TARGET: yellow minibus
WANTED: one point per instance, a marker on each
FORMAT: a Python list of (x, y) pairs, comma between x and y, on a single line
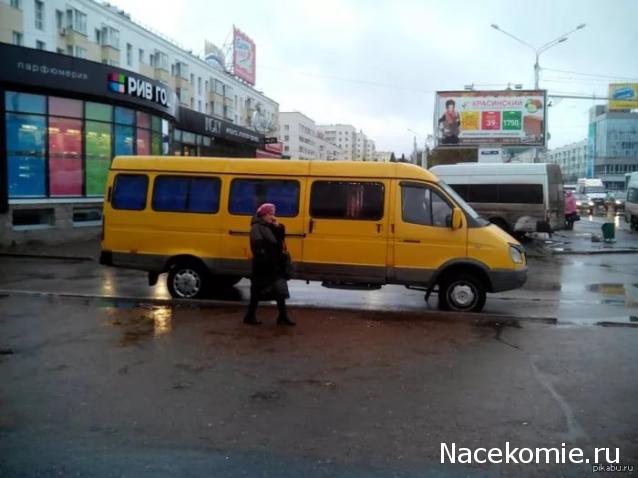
[(354, 223)]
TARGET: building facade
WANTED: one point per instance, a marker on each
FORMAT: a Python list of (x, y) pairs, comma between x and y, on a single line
[(328, 151), (64, 117), (612, 145), (298, 134), (94, 31), (342, 135), (572, 159)]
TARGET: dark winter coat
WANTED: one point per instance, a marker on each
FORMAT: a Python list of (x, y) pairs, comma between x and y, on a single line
[(267, 245)]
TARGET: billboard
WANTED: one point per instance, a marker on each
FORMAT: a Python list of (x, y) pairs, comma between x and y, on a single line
[(623, 96), (474, 118), (243, 56)]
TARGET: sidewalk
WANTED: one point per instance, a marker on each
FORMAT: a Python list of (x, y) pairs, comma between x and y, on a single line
[(579, 241), (88, 250)]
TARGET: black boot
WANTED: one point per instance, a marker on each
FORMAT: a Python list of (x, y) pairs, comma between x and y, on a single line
[(284, 320), (251, 320)]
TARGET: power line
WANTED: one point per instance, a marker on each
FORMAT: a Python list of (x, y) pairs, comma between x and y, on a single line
[(593, 75)]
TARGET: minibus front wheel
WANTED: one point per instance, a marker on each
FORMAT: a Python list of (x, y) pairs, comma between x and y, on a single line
[(462, 293), (187, 279)]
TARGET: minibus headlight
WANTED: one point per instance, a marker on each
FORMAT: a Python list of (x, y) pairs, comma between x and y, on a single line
[(516, 255)]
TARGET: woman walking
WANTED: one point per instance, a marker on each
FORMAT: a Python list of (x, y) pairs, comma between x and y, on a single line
[(269, 274)]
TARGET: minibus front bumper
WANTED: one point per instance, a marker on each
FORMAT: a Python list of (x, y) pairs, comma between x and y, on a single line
[(507, 279)]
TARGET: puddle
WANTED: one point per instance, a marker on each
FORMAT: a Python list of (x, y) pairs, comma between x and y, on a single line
[(139, 324)]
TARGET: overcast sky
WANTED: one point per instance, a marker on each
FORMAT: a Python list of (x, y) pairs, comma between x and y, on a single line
[(376, 64)]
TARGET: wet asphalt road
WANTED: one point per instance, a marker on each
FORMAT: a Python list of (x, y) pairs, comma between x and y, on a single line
[(368, 384), (579, 289)]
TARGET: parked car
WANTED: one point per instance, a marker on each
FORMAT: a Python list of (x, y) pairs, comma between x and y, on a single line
[(615, 200)]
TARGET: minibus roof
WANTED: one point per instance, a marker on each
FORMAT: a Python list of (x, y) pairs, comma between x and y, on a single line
[(196, 164)]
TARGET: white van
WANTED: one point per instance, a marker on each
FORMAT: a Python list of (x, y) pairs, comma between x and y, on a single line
[(631, 201), (517, 197)]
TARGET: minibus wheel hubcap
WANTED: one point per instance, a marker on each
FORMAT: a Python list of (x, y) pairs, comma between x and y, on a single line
[(462, 295), (187, 283)]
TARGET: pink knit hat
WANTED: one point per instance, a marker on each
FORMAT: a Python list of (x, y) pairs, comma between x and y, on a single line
[(266, 208)]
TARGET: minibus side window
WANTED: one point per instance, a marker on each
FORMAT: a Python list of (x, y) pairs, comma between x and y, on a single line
[(347, 200), (129, 192), (246, 195), (420, 205), (632, 195), (186, 194), (521, 193)]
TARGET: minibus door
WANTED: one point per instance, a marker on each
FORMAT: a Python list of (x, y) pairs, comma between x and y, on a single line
[(346, 231), (423, 237)]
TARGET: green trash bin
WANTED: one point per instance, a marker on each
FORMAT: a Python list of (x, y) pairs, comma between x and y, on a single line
[(609, 231)]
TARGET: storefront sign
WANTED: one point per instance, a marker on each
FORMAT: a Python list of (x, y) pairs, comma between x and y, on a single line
[(54, 72), (130, 85), (200, 123)]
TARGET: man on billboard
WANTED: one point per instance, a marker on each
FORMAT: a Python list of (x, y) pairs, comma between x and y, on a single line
[(449, 124)]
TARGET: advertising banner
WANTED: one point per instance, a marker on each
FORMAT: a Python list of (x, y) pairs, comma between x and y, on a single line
[(243, 56), (473, 118), (623, 96)]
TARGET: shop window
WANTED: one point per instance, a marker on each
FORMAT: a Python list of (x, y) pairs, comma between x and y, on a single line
[(124, 116), (129, 192), (98, 156), (24, 219), (247, 194), (143, 141), (26, 155), (65, 107), (25, 103), (65, 156), (186, 194), (156, 144), (123, 140), (87, 216), (98, 112), (347, 200), (143, 120), (156, 123)]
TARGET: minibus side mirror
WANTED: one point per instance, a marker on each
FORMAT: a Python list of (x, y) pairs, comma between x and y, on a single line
[(457, 218)]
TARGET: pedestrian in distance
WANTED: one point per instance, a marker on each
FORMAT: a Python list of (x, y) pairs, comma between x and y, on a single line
[(270, 264)]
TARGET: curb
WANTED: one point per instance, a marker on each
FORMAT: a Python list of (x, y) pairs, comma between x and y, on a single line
[(631, 325), (480, 318), (596, 252), (48, 256)]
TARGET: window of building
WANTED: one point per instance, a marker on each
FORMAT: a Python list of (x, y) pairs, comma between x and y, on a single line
[(98, 36), (219, 87), (16, 4), (17, 38), (247, 194), (87, 216), (76, 20), (186, 194), (97, 139), (181, 70), (79, 52), (199, 105), (199, 85), (129, 54), (140, 55), (65, 149), (110, 37), (25, 219), (129, 192), (347, 200), (39, 15), (40, 45)]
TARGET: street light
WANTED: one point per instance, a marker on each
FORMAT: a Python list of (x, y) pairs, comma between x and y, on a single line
[(537, 51)]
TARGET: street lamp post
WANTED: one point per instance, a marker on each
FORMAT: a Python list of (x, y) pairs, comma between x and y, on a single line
[(537, 51), (424, 161)]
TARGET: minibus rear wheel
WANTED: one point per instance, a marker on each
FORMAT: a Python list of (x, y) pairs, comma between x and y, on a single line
[(462, 293), (187, 279)]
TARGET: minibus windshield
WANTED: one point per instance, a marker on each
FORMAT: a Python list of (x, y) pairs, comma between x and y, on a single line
[(463, 205)]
